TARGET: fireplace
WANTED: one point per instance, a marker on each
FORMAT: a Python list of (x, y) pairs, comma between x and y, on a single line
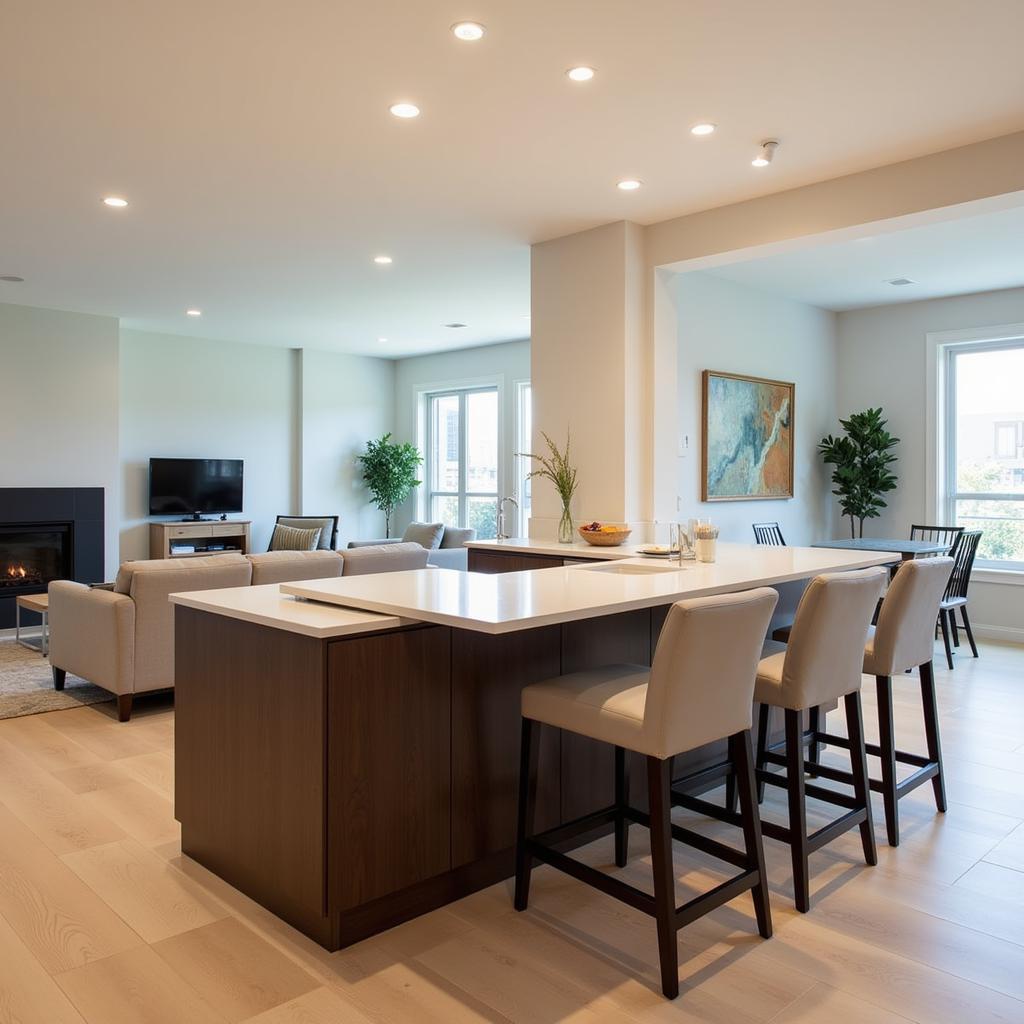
[(47, 533), (32, 555)]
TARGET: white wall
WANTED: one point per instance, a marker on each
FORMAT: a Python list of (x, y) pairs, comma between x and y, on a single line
[(502, 365), (725, 326), (882, 362), (346, 401), (198, 398), (59, 380)]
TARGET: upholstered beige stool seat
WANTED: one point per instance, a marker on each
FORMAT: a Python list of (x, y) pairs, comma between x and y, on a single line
[(904, 639), (820, 664), (698, 690)]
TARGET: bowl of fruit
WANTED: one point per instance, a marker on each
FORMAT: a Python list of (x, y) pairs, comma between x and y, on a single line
[(604, 535)]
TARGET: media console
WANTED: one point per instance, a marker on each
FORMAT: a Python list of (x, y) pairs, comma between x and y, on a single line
[(191, 539)]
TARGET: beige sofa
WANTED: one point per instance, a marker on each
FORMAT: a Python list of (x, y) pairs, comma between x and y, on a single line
[(123, 638)]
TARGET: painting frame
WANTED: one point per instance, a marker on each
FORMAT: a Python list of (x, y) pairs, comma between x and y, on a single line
[(706, 378)]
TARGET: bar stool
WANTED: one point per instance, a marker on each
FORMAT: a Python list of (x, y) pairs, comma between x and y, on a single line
[(698, 690), (821, 663), (904, 638)]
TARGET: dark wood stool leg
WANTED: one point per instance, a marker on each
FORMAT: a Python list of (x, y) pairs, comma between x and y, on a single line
[(797, 809), (762, 746), (859, 762), (621, 803), (731, 790), (59, 675), (528, 756), (660, 798), (814, 748), (931, 731), (944, 623), (124, 707), (968, 630), (887, 754), (742, 758)]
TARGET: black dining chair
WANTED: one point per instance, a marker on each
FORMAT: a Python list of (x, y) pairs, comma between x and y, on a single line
[(936, 534), (769, 534), (965, 547)]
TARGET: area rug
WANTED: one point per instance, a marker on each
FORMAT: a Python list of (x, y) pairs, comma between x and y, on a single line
[(26, 685)]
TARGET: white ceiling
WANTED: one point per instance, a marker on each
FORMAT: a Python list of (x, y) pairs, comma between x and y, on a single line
[(264, 171), (956, 257)]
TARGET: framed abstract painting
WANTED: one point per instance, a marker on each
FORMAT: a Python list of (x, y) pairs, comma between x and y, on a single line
[(747, 448)]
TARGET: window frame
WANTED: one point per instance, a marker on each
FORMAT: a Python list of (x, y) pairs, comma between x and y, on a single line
[(523, 443), (944, 347), (462, 495)]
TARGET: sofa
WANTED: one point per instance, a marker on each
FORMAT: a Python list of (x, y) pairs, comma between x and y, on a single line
[(122, 637), (446, 545)]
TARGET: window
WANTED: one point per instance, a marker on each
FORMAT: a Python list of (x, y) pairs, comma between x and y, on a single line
[(984, 447), (462, 459), (524, 432)]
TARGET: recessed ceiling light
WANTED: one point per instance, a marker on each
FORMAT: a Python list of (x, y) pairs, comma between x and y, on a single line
[(468, 31), (703, 128), (629, 185), (383, 260), (900, 281), (193, 312), (580, 74), (11, 279), (382, 341), (115, 201), (455, 325), (767, 153), (405, 110)]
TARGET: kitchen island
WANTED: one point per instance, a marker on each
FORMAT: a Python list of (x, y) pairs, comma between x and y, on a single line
[(346, 750)]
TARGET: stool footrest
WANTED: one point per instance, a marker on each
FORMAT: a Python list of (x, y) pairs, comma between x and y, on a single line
[(705, 807), (829, 796), (571, 830), (699, 842)]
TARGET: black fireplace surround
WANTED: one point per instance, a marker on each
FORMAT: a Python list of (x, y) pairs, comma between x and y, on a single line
[(47, 533)]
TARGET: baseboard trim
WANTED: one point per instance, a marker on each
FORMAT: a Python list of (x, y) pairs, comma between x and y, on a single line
[(1009, 634)]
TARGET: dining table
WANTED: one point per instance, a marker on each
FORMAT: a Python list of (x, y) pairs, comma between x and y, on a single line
[(906, 549)]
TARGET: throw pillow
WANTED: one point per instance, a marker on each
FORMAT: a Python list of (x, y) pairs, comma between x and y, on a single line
[(288, 538), (427, 535)]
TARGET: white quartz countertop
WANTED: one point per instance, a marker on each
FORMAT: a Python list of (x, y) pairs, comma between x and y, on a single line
[(267, 606), (506, 602)]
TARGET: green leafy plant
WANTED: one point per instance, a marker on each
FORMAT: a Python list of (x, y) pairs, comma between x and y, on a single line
[(389, 472), (862, 457), (556, 467)]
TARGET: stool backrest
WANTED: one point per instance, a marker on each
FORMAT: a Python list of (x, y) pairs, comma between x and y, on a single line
[(702, 680), (905, 633), (826, 644)]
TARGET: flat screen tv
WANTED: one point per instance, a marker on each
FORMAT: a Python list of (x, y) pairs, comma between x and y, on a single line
[(192, 487)]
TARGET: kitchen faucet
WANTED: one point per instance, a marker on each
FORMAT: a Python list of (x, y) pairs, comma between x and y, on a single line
[(502, 535)]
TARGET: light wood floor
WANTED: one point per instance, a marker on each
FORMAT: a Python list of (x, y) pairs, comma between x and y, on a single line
[(103, 920)]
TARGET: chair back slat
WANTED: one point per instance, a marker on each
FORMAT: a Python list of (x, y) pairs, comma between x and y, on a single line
[(964, 550), (769, 534), (936, 534)]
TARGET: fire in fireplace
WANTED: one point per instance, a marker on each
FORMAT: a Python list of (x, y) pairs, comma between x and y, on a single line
[(31, 555)]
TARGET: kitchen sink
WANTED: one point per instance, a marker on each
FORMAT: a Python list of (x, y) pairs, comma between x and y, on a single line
[(631, 568)]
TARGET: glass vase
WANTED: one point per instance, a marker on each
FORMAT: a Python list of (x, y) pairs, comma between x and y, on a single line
[(566, 527)]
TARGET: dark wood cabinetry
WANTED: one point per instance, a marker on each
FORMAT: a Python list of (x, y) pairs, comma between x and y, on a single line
[(512, 561)]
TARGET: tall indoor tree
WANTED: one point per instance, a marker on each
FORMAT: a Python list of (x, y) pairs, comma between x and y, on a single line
[(389, 472), (861, 457)]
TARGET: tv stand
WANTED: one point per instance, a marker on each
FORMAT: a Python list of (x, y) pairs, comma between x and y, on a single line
[(191, 538)]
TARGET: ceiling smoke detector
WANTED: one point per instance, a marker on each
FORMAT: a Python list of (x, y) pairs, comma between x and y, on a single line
[(455, 325), (899, 282)]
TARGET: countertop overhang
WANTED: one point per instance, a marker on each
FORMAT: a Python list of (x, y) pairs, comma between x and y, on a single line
[(507, 602)]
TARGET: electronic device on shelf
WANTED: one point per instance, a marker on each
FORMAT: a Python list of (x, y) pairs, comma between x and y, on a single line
[(192, 488)]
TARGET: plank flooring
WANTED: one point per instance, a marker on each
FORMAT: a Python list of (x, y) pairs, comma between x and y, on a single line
[(103, 921)]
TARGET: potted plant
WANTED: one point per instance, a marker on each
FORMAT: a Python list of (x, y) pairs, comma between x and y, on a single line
[(862, 457), (555, 466), (389, 471)]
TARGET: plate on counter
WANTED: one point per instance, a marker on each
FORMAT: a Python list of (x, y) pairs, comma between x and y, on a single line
[(658, 551)]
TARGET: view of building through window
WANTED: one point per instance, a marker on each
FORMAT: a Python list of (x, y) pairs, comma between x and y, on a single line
[(987, 455)]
